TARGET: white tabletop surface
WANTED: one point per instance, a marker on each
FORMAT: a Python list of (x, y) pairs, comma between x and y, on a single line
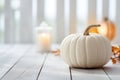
[(23, 62)]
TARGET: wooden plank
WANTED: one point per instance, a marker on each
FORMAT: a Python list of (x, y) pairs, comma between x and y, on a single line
[(73, 20), (60, 21), (88, 74), (26, 22), (54, 69), (9, 60), (113, 71), (4, 48), (28, 67), (4, 51)]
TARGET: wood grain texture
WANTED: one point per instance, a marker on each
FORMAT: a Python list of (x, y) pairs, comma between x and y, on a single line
[(28, 66), (4, 49), (112, 70), (22, 62), (88, 74), (54, 69), (11, 57)]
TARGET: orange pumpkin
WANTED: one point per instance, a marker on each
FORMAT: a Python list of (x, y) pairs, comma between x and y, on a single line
[(93, 30), (107, 29)]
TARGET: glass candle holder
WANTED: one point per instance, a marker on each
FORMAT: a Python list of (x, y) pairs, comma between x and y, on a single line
[(44, 37)]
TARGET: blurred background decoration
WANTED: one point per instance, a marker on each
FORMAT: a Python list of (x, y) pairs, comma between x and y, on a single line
[(107, 28), (18, 18), (43, 35)]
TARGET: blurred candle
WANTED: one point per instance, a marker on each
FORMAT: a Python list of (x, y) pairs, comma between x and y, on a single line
[(44, 37)]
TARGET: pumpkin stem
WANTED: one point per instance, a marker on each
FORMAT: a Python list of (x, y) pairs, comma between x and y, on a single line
[(88, 28), (105, 18)]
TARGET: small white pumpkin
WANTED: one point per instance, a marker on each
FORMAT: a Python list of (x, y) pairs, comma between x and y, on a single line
[(86, 50)]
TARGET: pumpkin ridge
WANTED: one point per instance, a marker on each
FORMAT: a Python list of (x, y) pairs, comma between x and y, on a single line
[(69, 56), (90, 60), (107, 26), (70, 50), (63, 44), (111, 32), (86, 52), (107, 54), (80, 52), (97, 57), (110, 49), (79, 37), (85, 56), (101, 51), (65, 54), (108, 31), (72, 57), (77, 50), (105, 51)]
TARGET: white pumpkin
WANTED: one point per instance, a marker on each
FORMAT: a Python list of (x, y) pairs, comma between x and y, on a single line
[(86, 51)]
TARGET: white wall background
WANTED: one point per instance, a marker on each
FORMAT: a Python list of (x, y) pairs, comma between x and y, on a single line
[(18, 18)]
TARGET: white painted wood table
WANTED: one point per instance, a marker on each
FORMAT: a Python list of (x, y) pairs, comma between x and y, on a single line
[(22, 62)]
